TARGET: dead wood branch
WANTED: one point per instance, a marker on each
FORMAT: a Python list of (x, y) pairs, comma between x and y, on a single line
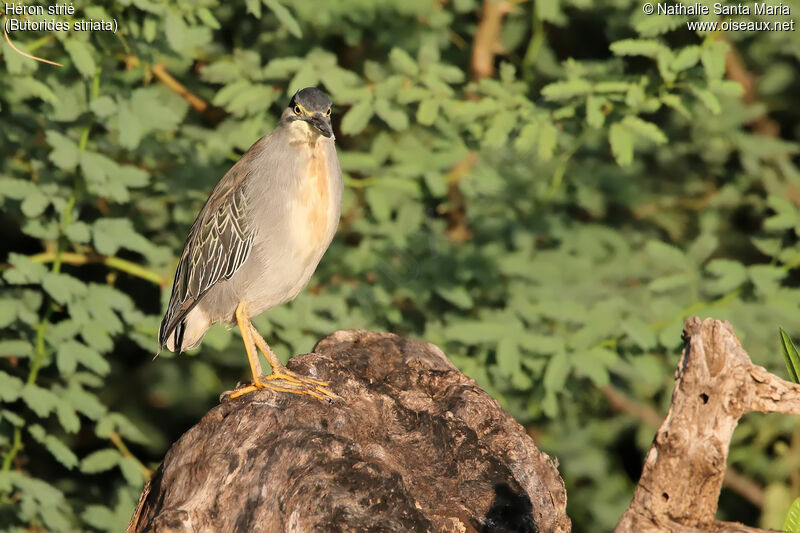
[(716, 384), (734, 480)]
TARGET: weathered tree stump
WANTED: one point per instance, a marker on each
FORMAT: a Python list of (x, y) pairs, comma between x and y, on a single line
[(414, 445)]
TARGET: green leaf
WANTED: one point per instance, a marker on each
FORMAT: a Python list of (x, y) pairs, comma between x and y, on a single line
[(65, 151), (34, 204), (254, 7), (666, 255), (10, 387), (638, 47), (111, 234), (675, 102), (476, 331), (456, 295), (15, 348), (13, 418), (81, 56), (16, 189), (100, 461), (713, 58), (790, 356), (726, 88), (117, 422), (63, 287), (57, 449), (730, 274), (668, 283), (131, 472), (500, 127), (285, 17), (686, 58), (41, 401), (527, 137), (508, 357), (640, 333), (564, 90), (84, 402), (72, 352), (129, 136), (766, 278), (593, 365), (103, 107), (33, 88), (548, 135), (427, 111), (594, 111), (99, 516), (68, 418), (25, 271), (208, 18), (357, 118), (645, 129), (708, 99), (378, 202), (621, 140), (555, 376), (549, 10), (395, 117), (175, 29), (402, 62), (8, 312), (78, 232), (792, 522)]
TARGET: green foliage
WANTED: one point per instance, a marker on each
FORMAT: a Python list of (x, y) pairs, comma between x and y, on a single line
[(792, 522), (790, 356), (550, 226)]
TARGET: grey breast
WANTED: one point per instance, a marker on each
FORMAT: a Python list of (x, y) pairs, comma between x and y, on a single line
[(245, 244)]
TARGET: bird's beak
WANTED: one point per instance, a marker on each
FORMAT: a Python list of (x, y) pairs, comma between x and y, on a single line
[(321, 123)]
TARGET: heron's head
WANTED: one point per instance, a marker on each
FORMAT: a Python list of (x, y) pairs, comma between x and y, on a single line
[(313, 107)]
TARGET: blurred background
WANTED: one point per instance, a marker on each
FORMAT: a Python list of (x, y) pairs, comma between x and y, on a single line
[(544, 189)]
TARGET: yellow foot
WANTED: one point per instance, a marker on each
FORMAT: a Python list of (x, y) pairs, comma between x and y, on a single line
[(292, 384), (287, 375), (311, 386)]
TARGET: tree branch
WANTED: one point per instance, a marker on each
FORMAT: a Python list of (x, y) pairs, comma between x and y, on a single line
[(734, 480), (716, 384), (487, 38)]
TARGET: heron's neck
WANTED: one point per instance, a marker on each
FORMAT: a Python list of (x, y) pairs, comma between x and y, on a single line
[(301, 132)]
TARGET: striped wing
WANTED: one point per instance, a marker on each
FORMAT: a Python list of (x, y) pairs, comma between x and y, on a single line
[(219, 243)]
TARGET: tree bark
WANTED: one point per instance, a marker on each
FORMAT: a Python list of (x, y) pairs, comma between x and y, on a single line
[(414, 445), (715, 384)]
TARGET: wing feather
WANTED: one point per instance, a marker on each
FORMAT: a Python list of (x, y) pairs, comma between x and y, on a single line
[(219, 242)]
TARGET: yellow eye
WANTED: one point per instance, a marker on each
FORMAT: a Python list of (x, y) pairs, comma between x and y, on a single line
[(328, 112), (297, 110)]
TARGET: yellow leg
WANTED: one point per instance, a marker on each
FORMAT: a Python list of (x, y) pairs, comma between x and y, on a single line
[(288, 383), (252, 355), (279, 371)]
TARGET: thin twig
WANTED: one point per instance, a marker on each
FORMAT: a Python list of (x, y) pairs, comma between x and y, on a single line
[(160, 72), (20, 52), (8, 460), (116, 440), (112, 262)]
